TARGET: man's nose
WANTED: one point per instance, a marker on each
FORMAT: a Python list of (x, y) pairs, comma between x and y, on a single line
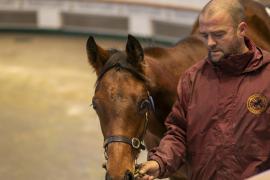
[(211, 42)]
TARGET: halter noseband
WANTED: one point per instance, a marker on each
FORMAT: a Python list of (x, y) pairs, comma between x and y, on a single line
[(134, 142)]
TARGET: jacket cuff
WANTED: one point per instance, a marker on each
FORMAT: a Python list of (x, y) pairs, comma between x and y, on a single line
[(160, 163)]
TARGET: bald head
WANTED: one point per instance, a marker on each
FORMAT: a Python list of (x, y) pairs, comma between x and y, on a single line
[(223, 28), (233, 8)]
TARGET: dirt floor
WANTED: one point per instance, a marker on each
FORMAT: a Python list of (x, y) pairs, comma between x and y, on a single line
[(48, 131)]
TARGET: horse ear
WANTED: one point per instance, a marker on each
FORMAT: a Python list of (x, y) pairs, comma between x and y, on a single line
[(97, 56), (134, 50)]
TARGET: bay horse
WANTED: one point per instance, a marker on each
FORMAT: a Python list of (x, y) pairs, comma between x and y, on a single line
[(127, 83)]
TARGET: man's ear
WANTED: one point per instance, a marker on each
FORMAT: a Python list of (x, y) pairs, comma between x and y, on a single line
[(242, 29), (134, 51), (97, 56)]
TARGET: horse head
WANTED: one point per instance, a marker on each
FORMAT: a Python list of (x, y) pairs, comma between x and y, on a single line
[(122, 103)]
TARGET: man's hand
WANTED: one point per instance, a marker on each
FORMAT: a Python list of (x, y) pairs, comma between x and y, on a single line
[(148, 170)]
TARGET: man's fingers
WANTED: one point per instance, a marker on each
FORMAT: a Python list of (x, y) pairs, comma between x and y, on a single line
[(144, 168), (148, 170), (147, 177), (142, 172)]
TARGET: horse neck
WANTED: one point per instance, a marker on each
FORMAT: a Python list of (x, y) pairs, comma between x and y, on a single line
[(163, 77), (162, 80), (164, 67), (162, 86)]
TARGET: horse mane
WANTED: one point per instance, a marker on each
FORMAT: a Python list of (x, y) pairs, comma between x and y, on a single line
[(155, 52), (159, 52)]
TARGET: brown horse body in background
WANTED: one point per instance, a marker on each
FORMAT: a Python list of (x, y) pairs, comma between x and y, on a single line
[(120, 90)]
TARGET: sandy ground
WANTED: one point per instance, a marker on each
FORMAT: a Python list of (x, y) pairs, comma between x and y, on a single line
[(48, 131)]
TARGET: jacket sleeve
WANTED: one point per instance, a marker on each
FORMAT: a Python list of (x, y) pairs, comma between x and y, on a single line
[(171, 151)]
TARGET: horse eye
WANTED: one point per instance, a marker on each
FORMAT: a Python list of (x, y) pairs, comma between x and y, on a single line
[(144, 104)]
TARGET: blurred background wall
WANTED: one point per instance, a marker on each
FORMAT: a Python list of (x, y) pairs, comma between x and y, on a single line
[(166, 20), (48, 131), (161, 19)]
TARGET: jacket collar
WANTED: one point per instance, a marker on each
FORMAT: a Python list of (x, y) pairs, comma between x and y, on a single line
[(241, 63)]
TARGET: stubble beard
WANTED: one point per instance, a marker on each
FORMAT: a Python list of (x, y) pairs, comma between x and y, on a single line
[(216, 59), (232, 50)]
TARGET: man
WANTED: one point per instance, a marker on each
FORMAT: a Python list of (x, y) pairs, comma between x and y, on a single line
[(220, 123)]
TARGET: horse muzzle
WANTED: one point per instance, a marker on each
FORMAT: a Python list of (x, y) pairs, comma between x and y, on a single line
[(127, 176)]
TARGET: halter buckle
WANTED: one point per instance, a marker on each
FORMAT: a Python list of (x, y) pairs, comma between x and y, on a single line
[(136, 143)]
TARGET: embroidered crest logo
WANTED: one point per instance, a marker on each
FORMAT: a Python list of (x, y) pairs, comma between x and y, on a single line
[(257, 103)]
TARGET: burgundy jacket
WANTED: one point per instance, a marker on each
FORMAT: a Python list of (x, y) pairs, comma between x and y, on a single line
[(220, 123)]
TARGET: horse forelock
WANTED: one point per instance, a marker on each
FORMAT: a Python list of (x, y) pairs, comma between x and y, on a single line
[(113, 51), (118, 60)]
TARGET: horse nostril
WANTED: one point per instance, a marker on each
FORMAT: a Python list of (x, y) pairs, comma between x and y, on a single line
[(128, 175)]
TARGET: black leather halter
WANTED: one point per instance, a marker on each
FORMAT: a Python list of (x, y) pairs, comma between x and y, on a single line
[(134, 142)]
